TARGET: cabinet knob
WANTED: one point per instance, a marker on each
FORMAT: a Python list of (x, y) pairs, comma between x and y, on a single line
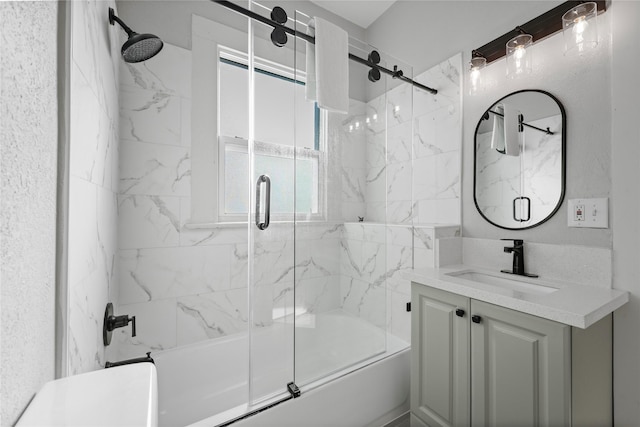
[(459, 312), (476, 319)]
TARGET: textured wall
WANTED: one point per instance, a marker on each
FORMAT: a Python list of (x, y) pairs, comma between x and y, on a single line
[(583, 86), (93, 164), (28, 105), (625, 93)]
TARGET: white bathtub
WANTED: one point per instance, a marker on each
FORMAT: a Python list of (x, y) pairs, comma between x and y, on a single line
[(206, 384)]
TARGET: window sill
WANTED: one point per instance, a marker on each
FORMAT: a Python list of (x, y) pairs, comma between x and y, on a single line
[(213, 225), (240, 224)]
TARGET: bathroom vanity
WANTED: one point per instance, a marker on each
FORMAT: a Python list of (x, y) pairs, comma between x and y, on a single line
[(491, 349)]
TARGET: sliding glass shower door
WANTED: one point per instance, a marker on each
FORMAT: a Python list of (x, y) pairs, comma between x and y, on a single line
[(271, 152), (340, 259)]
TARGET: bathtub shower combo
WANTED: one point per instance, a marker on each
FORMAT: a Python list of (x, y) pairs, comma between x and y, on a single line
[(275, 279)]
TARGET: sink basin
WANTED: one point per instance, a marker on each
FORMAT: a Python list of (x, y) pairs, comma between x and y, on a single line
[(121, 396), (504, 282)]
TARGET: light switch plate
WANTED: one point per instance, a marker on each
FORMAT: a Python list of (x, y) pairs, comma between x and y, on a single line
[(588, 213)]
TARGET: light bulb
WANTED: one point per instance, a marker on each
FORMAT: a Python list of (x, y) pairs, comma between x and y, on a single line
[(475, 75), (519, 58), (580, 28)]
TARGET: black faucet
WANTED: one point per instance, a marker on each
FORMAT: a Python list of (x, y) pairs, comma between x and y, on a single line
[(518, 258), (112, 322)]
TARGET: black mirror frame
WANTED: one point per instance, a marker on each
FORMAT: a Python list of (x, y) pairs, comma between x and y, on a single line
[(564, 159)]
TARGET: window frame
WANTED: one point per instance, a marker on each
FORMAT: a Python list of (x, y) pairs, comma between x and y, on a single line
[(318, 153), (283, 151)]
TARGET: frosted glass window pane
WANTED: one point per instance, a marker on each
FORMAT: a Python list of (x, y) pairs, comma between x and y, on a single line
[(307, 187), (236, 182), (281, 173)]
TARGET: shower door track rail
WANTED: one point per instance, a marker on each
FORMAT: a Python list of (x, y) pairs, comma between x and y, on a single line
[(395, 73)]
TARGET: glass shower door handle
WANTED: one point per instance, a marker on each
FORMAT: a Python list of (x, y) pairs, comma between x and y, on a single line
[(263, 179)]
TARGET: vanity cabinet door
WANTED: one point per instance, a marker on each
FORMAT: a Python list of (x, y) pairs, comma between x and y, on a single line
[(520, 369), (440, 357)]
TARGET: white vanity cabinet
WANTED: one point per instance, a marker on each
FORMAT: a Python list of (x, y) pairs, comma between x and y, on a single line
[(478, 364)]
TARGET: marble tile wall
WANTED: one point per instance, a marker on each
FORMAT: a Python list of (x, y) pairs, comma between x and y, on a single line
[(437, 141), (373, 260), (346, 164), (413, 150), (93, 183), (187, 285), (182, 285)]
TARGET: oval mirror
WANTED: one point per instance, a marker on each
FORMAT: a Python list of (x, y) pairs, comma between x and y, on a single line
[(519, 160)]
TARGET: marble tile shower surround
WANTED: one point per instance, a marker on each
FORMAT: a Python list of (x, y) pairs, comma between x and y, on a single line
[(190, 284), (187, 285), (373, 260), (93, 181), (413, 150), (531, 174)]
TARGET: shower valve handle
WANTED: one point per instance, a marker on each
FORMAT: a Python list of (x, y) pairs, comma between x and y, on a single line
[(112, 322)]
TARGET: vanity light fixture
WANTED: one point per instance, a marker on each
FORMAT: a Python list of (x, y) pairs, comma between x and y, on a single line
[(542, 26), (519, 55), (580, 28), (476, 65)]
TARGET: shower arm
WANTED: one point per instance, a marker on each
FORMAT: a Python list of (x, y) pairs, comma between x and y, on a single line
[(113, 18), (395, 73)]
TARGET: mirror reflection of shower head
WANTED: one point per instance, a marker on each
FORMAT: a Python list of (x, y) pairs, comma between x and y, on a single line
[(139, 47)]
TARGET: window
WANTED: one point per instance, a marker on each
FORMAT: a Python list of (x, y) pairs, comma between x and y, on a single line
[(288, 144)]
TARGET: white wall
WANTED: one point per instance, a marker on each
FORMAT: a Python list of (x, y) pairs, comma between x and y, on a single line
[(28, 107), (423, 33), (583, 86), (625, 176), (610, 143)]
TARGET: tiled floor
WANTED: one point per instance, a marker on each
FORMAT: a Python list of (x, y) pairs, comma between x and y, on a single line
[(403, 421)]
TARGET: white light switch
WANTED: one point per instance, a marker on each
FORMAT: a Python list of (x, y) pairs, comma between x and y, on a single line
[(588, 213)]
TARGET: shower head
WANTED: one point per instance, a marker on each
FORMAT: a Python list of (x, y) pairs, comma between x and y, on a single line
[(139, 47)]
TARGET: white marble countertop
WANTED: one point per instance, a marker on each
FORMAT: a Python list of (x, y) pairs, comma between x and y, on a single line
[(572, 304)]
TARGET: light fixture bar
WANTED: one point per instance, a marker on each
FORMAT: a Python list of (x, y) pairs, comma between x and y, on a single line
[(544, 25)]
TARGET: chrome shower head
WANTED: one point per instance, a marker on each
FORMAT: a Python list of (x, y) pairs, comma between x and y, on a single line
[(139, 47)]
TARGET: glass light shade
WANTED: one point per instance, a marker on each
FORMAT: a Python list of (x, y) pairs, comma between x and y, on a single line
[(580, 28), (519, 55), (475, 74)]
